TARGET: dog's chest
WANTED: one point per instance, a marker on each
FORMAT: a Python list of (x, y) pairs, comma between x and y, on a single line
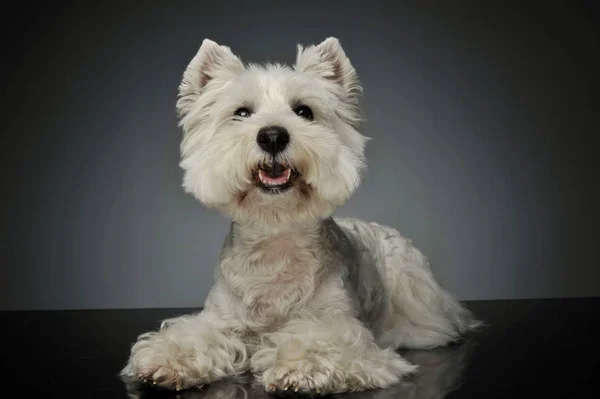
[(272, 277)]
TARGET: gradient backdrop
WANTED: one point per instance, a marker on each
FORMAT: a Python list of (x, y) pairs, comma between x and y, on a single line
[(482, 120)]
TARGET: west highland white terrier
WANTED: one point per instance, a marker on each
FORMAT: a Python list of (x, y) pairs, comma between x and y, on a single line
[(303, 300)]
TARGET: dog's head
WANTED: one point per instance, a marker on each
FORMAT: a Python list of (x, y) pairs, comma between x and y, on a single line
[(271, 143)]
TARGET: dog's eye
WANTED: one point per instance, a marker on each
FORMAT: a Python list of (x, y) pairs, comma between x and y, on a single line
[(304, 112), (242, 112)]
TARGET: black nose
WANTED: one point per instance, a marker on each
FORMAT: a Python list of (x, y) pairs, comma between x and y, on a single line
[(273, 139)]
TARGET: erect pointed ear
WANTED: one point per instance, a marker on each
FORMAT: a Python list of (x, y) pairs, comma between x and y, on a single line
[(328, 61), (213, 64)]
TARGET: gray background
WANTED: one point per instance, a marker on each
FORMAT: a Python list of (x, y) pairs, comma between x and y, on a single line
[(482, 120)]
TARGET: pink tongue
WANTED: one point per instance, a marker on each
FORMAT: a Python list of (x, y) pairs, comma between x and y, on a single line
[(275, 180)]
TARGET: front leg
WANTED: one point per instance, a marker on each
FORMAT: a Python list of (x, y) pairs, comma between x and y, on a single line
[(326, 355), (187, 351)]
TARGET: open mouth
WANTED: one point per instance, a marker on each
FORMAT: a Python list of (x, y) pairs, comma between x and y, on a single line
[(275, 178)]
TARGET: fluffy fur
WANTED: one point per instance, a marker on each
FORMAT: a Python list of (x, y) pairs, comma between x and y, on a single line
[(302, 300)]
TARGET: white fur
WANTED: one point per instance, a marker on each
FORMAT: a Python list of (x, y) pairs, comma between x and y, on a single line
[(301, 300)]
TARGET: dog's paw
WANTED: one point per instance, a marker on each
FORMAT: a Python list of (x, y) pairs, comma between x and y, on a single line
[(167, 374), (301, 377), (170, 377), (321, 375), (296, 382), (154, 362)]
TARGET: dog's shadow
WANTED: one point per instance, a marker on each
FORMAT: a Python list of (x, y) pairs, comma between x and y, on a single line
[(440, 372)]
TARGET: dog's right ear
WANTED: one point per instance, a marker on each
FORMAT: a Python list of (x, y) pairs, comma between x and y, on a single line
[(213, 65)]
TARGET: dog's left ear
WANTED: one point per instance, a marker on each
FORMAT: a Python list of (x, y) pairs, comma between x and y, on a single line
[(328, 61)]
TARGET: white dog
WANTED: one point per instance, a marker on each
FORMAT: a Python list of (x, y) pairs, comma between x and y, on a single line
[(302, 300)]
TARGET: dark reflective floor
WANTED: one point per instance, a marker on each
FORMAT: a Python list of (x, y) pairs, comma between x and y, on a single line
[(535, 348)]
